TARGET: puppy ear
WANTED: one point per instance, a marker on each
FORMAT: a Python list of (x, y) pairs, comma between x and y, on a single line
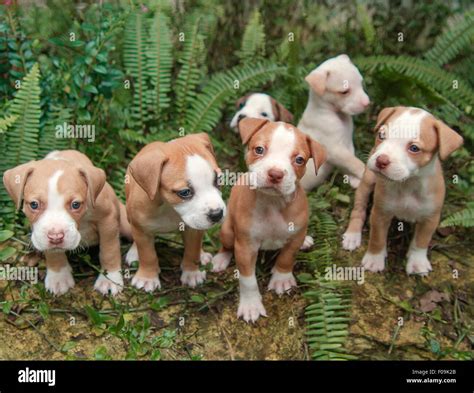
[(241, 101), (384, 115), (146, 170), (344, 57), (317, 81), (448, 139), (280, 112), (203, 137), (318, 153), (15, 179), (95, 181), (249, 126)]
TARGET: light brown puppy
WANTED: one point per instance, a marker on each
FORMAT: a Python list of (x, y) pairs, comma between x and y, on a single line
[(172, 186), (268, 209), (68, 204), (404, 168)]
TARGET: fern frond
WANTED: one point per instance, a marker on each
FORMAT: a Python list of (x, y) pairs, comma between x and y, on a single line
[(457, 38), (463, 218), (134, 56), (432, 78), (253, 41), (365, 21), (191, 59), (6, 122), (206, 109), (159, 64), (48, 140)]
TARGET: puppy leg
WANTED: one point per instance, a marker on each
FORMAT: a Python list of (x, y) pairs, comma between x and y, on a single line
[(282, 273), (374, 258), (418, 262), (348, 163), (353, 235), (222, 259), (250, 304), (191, 275), (59, 278), (109, 255), (146, 276), (310, 180)]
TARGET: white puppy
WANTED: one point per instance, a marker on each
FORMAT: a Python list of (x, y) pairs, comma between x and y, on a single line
[(336, 94)]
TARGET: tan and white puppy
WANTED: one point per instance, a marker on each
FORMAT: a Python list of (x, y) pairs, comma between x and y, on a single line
[(172, 186), (69, 204), (404, 168), (335, 95), (268, 209), (260, 106)]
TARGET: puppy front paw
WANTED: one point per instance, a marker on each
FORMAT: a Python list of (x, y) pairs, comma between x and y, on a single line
[(132, 254), (250, 308), (192, 278), (58, 283), (205, 257), (374, 262), (354, 181), (110, 282), (221, 261), (351, 240), (148, 284), (281, 282), (418, 263), (307, 244)]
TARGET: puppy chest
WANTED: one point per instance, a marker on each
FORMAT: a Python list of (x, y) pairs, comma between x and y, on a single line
[(166, 220), (271, 230), (409, 206), (89, 234)]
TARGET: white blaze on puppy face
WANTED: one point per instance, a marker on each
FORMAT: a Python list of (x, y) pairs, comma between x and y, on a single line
[(55, 219), (278, 156), (397, 137), (206, 196), (258, 106)]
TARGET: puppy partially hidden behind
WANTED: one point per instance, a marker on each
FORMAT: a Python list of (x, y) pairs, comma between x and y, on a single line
[(172, 186), (335, 95), (69, 204), (405, 169), (260, 106), (267, 209)]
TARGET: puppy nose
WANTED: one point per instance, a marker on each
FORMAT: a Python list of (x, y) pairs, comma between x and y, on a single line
[(55, 237), (382, 161), (365, 101), (240, 117), (215, 215), (275, 175)]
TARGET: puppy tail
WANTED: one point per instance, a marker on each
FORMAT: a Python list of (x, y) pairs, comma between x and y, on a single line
[(125, 228)]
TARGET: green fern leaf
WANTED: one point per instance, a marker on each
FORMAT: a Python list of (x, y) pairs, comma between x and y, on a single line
[(463, 218), (253, 41), (48, 140)]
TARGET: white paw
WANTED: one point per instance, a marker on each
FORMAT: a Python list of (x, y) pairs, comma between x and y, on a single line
[(354, 181), (145, 283), (418, 262), (351, 240), (374, 262), (206, 257), (58, 283), (281, 282), (111, 282), (132, 254), (250, 308), (307, 244), (192, 278), (221, 261)]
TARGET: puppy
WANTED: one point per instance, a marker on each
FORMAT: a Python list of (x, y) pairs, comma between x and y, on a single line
[(260, 106), (268, 209), (405, 170), (335, 95), (69, 205), (172, 186)]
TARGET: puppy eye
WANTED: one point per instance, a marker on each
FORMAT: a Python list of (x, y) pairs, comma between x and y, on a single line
[(299, 160), (264, 114), (414, 148), (241, 105), (259, 150), (345, 92), (185, 193), (34, 205), (75, 205)]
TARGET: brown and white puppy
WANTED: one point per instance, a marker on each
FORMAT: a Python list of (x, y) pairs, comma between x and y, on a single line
[(268, 209), (404, 168), (69, 204), (260, 106), (172, 186)]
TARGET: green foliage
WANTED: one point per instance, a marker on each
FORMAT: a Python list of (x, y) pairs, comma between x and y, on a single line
[(253, 41), (463, 218)]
